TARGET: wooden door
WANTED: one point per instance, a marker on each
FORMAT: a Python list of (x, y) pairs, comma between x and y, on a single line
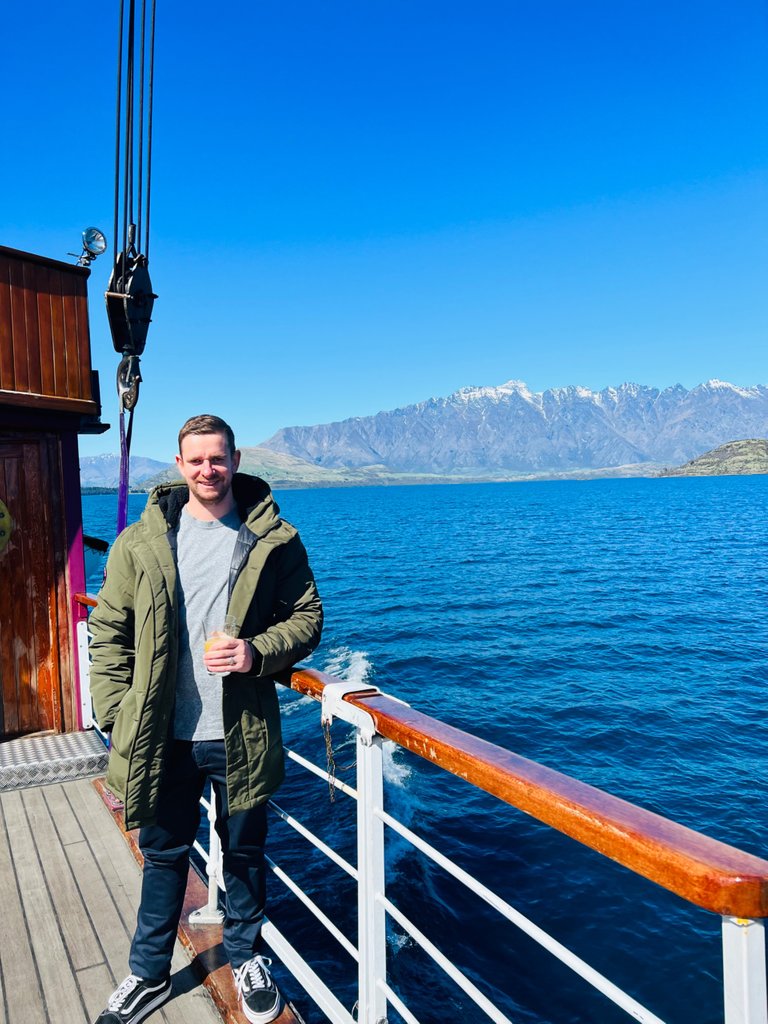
[(33, 644)]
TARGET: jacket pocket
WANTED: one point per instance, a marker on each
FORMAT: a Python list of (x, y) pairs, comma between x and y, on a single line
[(126, 723), (254, 728)]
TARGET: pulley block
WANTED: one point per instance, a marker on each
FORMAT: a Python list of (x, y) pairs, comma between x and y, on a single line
[(129, 304)]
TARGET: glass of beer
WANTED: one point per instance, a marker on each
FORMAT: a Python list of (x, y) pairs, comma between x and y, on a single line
[(230, 627)]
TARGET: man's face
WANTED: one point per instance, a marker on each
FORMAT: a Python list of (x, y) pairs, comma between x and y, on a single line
[(208, 466)]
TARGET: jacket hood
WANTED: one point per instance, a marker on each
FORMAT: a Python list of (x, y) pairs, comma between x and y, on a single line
[(253, 497)]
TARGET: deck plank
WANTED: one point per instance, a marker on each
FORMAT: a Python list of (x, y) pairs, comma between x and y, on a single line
[(56, 976), (70, 889), (96, 983), (77, 932), (22, 998), (115, 860), (101, 911), (60, 809)]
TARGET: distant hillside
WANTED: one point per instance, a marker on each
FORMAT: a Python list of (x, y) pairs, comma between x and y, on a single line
[(286, 471), (104, 470), (281, 470), (735, 458), (492, 432)]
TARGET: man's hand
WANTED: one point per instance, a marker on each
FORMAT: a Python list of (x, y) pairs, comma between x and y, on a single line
[(226, 654)]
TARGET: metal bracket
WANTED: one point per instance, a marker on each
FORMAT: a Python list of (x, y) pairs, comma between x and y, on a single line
[(128, 381), (332, 701)]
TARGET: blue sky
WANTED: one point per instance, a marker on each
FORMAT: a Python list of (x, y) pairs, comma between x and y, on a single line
[(357, 206)]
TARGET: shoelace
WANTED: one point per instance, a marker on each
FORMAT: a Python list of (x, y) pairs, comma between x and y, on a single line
[(122, 992), (253, 971)]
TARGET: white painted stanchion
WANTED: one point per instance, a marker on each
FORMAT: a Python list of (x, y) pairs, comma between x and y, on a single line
[(210, 913), (84, 674), (371, 926), (744, 984), (372, 930)]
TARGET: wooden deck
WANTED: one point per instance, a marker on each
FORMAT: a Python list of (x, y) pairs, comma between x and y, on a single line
[(69, 888)]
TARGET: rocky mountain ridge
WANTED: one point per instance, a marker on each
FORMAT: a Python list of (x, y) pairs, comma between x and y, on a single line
[(510, 429)]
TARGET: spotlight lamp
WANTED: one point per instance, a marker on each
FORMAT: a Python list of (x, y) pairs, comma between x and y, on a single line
[(94, 244)]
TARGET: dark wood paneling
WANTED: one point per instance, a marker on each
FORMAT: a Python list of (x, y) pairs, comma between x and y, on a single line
[(45, 348), (32, 273), (71, 345), (61, 641), (8, 608), (83, 339), (58, 339), (20, 357), (43, 606), (6, 328), (33, 605), (45, 320)]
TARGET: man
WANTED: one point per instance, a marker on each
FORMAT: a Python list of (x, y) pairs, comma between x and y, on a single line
[(181, 711)]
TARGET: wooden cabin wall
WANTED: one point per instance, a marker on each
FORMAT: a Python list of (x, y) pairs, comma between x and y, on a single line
[(45, 348), (36, 671), (48, 395)]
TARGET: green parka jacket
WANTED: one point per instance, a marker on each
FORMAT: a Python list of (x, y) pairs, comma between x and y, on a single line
[(134, 646)]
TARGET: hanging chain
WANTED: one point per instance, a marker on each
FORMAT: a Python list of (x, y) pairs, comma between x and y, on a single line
[(330, 757)]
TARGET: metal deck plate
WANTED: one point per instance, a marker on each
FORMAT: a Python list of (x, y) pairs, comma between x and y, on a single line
[(41, 760)]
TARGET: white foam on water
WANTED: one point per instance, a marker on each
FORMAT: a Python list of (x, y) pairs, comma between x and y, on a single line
[(399, 940), (355, 667), (395, 772), (290, 705), (348, 665)]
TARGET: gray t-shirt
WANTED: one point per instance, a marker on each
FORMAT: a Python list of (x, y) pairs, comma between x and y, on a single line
[(204, 552)]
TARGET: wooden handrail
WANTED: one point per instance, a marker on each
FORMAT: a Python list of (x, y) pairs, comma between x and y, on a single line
[(704, 871)]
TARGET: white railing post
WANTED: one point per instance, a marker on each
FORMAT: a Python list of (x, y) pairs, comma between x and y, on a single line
[(372, 929), (210, 913), (744, 984), (84, 673), (371, 914)]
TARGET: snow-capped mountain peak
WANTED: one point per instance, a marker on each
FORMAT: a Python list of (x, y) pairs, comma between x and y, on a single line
[(508, 427)]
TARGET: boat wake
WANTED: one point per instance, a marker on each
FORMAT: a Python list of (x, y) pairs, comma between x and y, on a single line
[(348, 665)]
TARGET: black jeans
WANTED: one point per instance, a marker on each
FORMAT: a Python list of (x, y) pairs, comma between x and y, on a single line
[(166, 845)]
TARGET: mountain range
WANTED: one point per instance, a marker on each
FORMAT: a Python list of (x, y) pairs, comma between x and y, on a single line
[(493, 433), (104, 470), (510, 429)]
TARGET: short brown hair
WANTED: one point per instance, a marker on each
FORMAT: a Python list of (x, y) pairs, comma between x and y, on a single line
[(207, 424)]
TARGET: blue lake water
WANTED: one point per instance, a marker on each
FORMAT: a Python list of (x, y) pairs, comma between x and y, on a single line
[(612, 630)]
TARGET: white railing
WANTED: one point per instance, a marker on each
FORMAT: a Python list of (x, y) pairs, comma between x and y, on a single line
[(703, 871), (745, 999)]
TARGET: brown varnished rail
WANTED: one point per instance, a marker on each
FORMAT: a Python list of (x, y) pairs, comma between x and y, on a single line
[(702, 870)]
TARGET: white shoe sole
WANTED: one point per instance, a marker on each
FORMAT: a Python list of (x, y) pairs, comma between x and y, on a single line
[(266, 1016), (160, 998)]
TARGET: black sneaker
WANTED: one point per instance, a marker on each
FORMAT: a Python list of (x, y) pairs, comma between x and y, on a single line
[(259, 996), (134, 999)]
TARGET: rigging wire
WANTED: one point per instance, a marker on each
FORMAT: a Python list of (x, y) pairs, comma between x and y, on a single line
[(129, 296)]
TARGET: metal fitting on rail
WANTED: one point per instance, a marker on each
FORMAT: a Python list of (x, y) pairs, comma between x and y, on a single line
[(332, 704)]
